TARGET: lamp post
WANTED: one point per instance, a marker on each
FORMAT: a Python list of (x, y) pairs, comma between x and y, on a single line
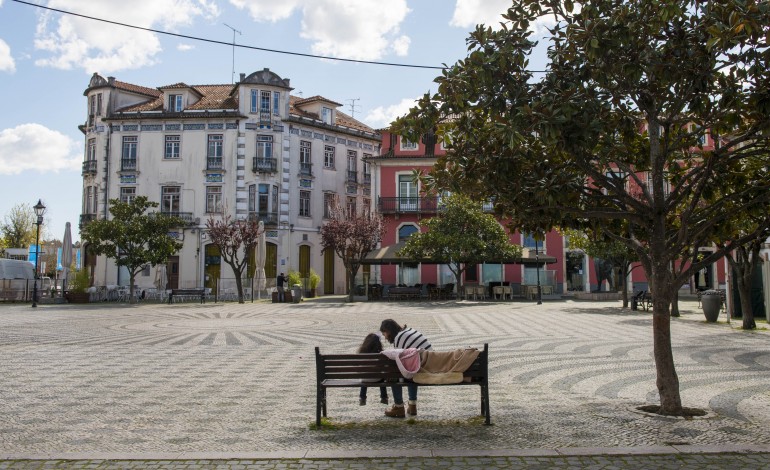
[(537, 269), (39, 209)]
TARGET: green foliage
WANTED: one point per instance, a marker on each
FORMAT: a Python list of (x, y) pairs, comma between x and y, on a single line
[(611, 137), (133, 237), (80, 282), (315, 279), (461, 234), (18, 229), (293, 277)]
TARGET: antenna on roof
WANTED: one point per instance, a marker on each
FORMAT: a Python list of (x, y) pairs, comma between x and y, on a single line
[(232, 77), (353, 106)]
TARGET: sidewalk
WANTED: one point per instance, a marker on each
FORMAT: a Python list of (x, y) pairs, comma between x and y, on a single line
[(231, 386)]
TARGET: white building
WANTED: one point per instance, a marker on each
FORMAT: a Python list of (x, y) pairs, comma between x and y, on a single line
[(250, 149)]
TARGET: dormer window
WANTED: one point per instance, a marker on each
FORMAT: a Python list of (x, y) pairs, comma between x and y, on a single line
[(326, 115), (406, 145), (260, 101), (175, 103), (276, 103)]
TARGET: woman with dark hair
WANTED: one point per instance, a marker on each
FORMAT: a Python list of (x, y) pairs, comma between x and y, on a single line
[(403, 338), (372, 345)]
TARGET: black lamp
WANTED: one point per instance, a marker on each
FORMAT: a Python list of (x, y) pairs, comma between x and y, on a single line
[(39, 211)]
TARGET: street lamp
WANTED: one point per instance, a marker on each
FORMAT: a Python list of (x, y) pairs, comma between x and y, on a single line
[(39, 209), (537, 268)]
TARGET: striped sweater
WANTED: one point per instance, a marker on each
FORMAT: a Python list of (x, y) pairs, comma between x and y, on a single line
[(411, 338)]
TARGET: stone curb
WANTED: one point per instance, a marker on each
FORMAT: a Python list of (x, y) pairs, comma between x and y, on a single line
[(414, 453)]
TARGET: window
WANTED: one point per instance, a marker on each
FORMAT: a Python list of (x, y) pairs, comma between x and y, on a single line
[(328, 156), (175, 103), (263, 198), (170, 199), (91, 110), (254, 94), (367, 206), (329, 199), (405, 231), (304, 203), (127, 194), (351, 207), (94, 199), (87, 203), (407, 193), (252, 198), (213, 199), (276, 103), (352, 160), (128, 159), (367, 169), (215, 145), (406, 145), (172, 147), (264, 146), (528, 241), (98, 104), (264, 102), (275, 199), (326, 115), (91, 151), (305, 164)]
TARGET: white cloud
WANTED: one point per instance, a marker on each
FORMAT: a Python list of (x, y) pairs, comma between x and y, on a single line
[(94, 46), (35, 147), (350, 29), (469, 13), (7, 63), (185, 47), (382, 116)]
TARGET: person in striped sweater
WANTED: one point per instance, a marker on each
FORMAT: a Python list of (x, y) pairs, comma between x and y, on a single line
[(403, 338)]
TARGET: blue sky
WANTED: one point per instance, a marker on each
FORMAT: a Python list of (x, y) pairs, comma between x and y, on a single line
[(46, 60)]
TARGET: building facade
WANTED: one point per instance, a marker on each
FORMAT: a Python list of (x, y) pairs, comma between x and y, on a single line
[(403, 205), (249, 149)]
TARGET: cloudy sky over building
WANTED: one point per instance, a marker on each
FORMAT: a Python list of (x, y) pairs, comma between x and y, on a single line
[(47, 59)]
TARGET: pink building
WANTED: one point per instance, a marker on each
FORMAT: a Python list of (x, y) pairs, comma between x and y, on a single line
[(404, 205)]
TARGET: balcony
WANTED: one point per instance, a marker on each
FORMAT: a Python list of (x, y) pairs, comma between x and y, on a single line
[(85, 219), (128, 164), (269, 218), (188, 217), (264, 165), (306, 169), (214, 163), (89, 167), (352, 176), (407, 205), (367, 178)]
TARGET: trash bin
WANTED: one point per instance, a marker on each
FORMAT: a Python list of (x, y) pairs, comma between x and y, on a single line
[(296, 293)]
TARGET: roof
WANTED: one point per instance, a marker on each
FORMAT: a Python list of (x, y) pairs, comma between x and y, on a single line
[(302, 101), (341, 119), (131, 88), (211, 97)]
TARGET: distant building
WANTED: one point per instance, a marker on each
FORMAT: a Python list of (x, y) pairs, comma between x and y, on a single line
[(249, 149)]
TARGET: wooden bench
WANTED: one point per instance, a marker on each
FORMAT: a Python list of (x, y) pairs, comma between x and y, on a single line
[(643, 298), (377, 370), (187, 293)]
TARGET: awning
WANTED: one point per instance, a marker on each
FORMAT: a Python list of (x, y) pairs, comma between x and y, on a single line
[(388, 255)]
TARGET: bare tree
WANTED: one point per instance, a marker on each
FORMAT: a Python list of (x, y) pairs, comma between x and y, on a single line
[(236, 239)]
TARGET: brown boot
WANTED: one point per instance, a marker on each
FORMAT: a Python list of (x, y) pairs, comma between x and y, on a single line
[(411, 409), (397, 411)]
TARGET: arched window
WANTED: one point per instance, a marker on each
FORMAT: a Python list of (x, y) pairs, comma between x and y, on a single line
[(405, 231)]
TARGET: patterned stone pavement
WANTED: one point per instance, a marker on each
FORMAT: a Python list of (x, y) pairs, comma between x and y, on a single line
[(156, 379)]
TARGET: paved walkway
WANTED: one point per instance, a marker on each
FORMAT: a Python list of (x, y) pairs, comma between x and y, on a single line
[(228, 385)]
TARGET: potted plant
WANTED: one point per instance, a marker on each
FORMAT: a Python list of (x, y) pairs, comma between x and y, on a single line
[(294, 279), (78, 288), (711, 301), (314, 280)]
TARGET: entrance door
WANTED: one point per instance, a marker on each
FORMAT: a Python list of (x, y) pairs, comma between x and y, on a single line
[(172, 271), (211, 269), (328, 272)]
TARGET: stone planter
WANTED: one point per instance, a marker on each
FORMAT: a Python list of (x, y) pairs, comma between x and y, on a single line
[(712, 304)]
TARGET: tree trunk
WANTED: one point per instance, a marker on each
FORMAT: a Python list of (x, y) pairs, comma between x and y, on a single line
[(239, 286), (625, 284), (351, 285), (667, 379), (675, 305), (744, 282), (131, 278)]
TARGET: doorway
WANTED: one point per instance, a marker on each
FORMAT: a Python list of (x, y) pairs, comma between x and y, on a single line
[(575, 271), (212, 269), (172, 271)]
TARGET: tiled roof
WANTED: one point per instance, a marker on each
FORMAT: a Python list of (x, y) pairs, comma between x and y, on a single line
[(175, 85), (301, 101), (341, 119), (130, 87), (212, 97)]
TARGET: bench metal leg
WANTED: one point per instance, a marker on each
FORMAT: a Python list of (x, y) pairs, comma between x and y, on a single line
[(318, 401)]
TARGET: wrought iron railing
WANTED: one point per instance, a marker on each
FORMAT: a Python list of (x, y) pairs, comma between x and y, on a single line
[(400, 205), (305, 169), (269, 218), (89, 167), (214, 163), (128, 164), (264, 165)]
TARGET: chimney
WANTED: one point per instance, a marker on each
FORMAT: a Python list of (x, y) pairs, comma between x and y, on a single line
[(111, 80), (243, 77)]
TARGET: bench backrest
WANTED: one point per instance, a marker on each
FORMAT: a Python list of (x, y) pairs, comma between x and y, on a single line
[(375, 367)]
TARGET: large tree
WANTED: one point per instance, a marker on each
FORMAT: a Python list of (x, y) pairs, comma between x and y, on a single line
[(18, 227), (351, 236), (132, 236), (616, 133), (461, 234), (236, 240)]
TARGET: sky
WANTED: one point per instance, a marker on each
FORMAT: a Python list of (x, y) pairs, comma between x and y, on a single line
[(47, 59)]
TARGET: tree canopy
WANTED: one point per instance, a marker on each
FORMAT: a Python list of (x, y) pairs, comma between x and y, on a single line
[(650, 124), (18, 227), (461, 234), (351, 236), (236, 240), (133, 237)]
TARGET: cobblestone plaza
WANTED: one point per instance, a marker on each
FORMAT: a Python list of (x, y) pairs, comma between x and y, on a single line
[(238, 380)]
